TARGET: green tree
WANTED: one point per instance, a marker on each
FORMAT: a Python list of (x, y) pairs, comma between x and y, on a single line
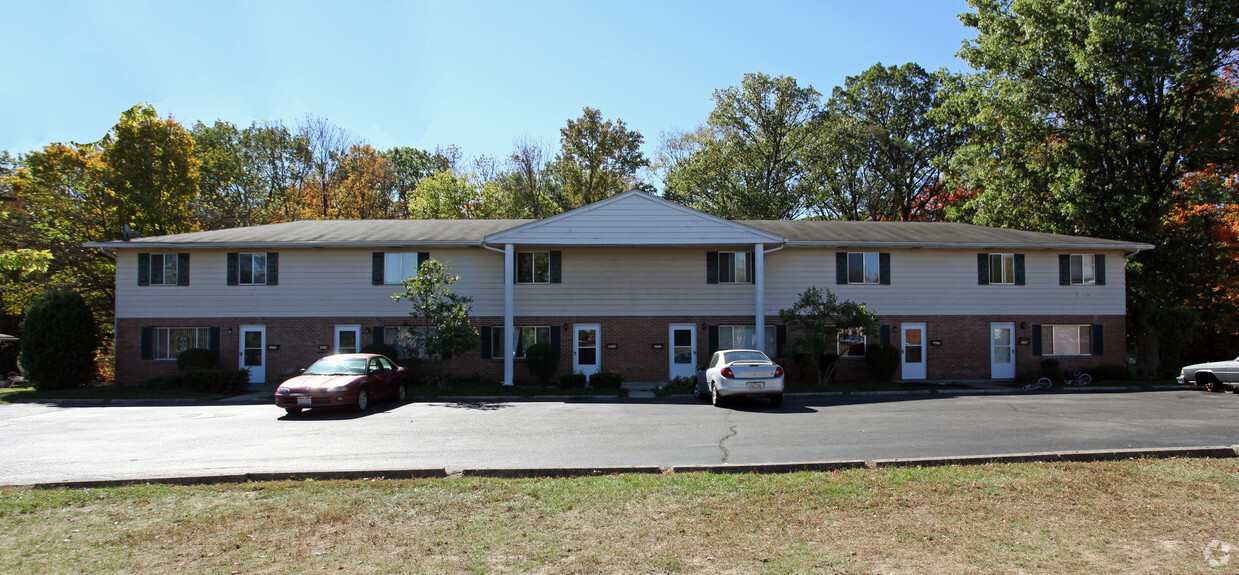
[(151, 172), (434, 303), (1088, 115), (750, 159), (597, 158), (59, 341), (879, 148), (816, 319)]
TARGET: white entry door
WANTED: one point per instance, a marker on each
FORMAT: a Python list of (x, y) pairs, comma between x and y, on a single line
[(348, 339), (586, 355), (1002, 350), (683, 350), (254, 352), (913, 351)]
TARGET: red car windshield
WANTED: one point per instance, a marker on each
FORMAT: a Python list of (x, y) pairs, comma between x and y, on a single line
[(337, 366)]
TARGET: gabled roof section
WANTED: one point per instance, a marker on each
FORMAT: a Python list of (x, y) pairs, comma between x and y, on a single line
[(634, 219), (329, 233), (928, 235)]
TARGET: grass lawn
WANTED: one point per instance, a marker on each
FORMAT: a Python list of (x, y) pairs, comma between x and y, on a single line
[(11, 394), (1135, 516)]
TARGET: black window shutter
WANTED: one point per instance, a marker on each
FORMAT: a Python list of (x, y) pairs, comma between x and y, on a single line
[(555, 339), (750, 263), (884, 334), (711, 267), (713, 338), (233, 264), (557, 267), (841, 268), (1099, 347), (182, 269), (485, 331), (214, 341), (1099, 270), (273, 268), (884, 266), (422, 257), (780, 340), (144, 269), (1036, 339), (1064, 269), (148, 342), (377, 331), (1019, 269), (376, 268), (982, 269)]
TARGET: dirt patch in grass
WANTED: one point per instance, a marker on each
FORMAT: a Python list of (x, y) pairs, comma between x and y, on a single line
[(1148, 516)]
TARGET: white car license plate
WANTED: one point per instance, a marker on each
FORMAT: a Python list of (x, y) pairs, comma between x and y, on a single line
[(303, 401), (757, 385)]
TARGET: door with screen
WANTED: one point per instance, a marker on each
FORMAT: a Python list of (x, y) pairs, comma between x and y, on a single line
[(913, 351), (254, 352), (1002, 350), (585, 351), (683, 353)]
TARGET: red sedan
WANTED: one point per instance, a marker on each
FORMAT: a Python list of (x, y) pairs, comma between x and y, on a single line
[(346, 380)]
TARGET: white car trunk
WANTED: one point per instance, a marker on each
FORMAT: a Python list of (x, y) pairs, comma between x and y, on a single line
[(752, 370)]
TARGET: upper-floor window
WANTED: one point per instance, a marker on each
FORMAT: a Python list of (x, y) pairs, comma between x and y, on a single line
[(163, 269), (253, 268), (390, 268), (1000, 269), (862, 268), (1082, 269), (538, 267), (729, 267)]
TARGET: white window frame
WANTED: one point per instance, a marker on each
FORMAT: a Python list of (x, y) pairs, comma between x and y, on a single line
[(520, 334), (162, 346), (746, 339), (733, 268), (164, 260), (253, 258), (539, 264), (1063, 335), (404, 339), (397, 266), (851, 336), (1087, 265), (1002, 269), (870, 268)]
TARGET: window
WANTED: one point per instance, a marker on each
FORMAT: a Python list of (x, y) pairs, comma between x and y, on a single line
[(1002, 269), (399, 265), (1066, 340), (406, 340), (1082, 270), (851, 342), (524, 337), (745, 337), (864, 268), (735, 267), (533, 267), (171, 341), (252, 269)]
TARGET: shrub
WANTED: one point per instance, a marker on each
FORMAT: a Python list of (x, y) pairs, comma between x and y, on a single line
[(217, 380), (162, 382), (58, 341), (196, 358), (1109, 372), (606, 379), (883, 360), (542, 360), (681, 384), (382, 349), (572, 380)]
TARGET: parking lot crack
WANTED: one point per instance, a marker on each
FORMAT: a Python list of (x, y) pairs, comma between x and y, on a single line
[(731, 434)]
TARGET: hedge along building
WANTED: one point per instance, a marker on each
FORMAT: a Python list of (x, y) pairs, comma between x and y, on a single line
[(632, 283)]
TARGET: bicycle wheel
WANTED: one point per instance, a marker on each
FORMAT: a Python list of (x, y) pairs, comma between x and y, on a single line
[(1044, 383), (1084, 379)]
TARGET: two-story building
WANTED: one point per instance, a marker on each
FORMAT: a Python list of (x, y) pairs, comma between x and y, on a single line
[(632, 283)]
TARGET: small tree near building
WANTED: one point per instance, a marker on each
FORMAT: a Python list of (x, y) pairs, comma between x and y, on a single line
[(817, 318), (59, 341), (430, 293)]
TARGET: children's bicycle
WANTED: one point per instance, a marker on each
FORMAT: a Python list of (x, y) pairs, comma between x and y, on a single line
[(1076, 378)]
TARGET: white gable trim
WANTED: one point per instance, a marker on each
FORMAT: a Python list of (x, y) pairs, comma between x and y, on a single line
[(633, 218)]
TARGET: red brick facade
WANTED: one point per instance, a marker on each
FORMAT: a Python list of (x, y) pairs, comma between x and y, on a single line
[(627, 344)]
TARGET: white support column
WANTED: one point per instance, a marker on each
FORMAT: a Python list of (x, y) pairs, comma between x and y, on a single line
[(759, 286), (509, 298)]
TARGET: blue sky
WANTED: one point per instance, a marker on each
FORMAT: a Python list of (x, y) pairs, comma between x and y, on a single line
[(424, 74)]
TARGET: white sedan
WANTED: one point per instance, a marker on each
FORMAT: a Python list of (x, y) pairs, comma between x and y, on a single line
[(740, 372), (1215, 376)]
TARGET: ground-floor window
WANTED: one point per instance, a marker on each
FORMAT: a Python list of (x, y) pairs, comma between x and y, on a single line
[(523, 337), (851, 342), (406, 340), (171, 341), (1072, 339), (745, 337)]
